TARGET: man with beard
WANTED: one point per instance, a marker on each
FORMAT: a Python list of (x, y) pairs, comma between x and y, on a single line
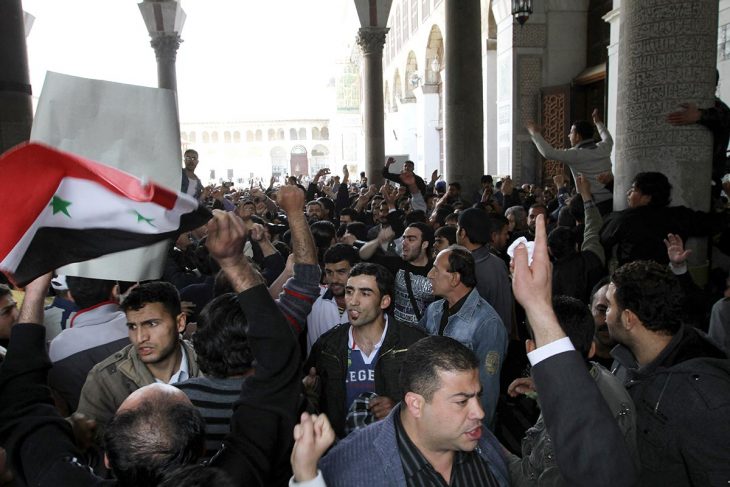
[(678, 378), (329, 309), (413, 292), (190, 183), (535, 210), (358, 362)]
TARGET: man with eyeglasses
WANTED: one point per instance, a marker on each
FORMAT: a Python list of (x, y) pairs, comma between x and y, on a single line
[(190, 183)]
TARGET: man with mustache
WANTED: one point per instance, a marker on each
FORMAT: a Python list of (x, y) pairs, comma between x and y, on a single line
[(434, 436)]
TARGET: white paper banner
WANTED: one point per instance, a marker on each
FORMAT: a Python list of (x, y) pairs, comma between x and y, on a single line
[(133, 128)]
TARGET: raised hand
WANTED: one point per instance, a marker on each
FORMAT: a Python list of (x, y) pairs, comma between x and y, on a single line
[(532, 286), (290, 199), (596, 117), (675, 250), (226, 237), (312, 437)]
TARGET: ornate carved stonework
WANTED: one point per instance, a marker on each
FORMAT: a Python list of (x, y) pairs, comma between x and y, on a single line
[(529, 35), (554, 106), (165, 46), (371, 39), (667, 56)]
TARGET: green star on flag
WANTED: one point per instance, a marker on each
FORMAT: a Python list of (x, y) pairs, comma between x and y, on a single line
[(141, 218), (60, 205)]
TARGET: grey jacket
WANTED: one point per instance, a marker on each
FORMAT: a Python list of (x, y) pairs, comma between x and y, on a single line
[(112, 380), (369, 457), (589, 158)]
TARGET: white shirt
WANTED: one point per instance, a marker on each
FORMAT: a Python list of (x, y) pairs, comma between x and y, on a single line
[(368, 358), (182, 374)]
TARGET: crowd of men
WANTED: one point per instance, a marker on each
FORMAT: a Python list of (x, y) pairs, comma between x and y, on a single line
[(408, 324)]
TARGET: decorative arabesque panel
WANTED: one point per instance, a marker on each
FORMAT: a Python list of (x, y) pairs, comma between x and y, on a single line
[(554, 116)]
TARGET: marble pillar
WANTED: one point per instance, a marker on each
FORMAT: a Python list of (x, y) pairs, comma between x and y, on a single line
[(16, 107), (166, 46), (371, 41), (463, 104)]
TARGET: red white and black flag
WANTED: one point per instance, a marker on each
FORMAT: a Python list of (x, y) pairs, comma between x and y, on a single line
[(57, 208)]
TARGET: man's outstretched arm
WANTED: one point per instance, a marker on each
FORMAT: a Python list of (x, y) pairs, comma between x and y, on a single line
[(299, 292), (39, 442), (265, 413), (575, 412)]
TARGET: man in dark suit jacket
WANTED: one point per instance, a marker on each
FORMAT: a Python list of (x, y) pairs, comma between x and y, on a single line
[(578, 419)]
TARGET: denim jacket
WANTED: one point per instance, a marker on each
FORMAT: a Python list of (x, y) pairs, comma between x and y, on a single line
[(477, 326)]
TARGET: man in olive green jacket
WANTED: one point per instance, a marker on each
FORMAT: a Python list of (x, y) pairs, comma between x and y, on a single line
[(157, 354)]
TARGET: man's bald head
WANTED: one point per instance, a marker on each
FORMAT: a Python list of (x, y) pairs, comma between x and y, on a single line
[(155, 430), (156, 393)]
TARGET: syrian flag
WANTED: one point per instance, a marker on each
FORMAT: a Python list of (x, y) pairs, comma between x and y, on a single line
[(57, 208)]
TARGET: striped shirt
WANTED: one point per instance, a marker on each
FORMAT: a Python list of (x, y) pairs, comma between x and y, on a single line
[(214, 399), (468, 470)]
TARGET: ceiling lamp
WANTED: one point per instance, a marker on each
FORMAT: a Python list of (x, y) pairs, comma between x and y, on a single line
[(521, 10)]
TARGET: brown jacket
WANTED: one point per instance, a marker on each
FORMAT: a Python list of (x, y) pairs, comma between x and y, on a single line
[(112, 380)]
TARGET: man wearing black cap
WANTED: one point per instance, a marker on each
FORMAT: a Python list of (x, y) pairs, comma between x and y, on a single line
[(493, 284)]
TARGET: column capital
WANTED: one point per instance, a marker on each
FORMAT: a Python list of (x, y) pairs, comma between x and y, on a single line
[(371, 39), (165, 46)]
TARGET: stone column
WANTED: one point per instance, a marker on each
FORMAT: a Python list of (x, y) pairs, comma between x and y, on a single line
[(463, 105), (16, 107), (165, 46), (371, 41), (667, 55)]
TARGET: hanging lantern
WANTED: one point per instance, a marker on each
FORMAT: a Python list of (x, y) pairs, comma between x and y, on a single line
[(521, 10)]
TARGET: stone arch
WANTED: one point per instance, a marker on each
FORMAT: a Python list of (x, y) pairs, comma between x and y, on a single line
[(386, 97), (434, 52), (298, 160), (397, 90), (315, 133), (412, 78)]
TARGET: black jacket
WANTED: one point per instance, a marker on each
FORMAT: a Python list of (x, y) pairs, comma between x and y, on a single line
[(329, 357), (682, 404)]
